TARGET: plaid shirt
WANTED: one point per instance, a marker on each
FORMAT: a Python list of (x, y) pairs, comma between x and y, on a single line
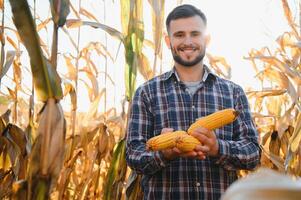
[(165, 102)]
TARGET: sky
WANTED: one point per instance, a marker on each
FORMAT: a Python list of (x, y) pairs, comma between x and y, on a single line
[(235, 27)]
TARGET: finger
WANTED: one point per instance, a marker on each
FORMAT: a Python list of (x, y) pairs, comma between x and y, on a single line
[(190, 154), (205, 132), (176, 150), (201, 137), (203, 148), (166, 130), (201, 155), (209, 134)]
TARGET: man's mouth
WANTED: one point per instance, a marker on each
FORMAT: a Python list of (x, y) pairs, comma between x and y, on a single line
[(187, 49)]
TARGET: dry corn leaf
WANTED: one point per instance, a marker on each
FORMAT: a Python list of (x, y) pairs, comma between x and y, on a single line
[(284, 142), (74, 23), (89, 89), (265, 93), (282, 80), (144, 67), (72, 73), (281, 66), (92, 111), (1, 4), (275, 159), (157, 24), (218, 63), (93, 80), (17, 73), (87, 14), (286, 40), (274, 105), (100, 49), (294, 141), (11, 41), (103, 139), (43, 24), (289, 18), (74, 10), (285, 121), (274, 145), (6, 182), (69, 89), (10, 56)]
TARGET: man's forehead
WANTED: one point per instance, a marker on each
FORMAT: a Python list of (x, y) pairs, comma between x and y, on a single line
[(187, 25)]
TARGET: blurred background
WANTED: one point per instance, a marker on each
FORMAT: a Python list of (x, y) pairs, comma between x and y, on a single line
[(69, 69)]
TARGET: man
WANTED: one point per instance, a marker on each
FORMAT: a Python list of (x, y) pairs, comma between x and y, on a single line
[(173, 101)]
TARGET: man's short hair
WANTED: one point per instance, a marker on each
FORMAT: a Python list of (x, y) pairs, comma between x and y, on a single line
[(184, 11)]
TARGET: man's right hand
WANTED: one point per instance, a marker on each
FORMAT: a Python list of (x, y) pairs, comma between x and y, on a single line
[(173, 153)]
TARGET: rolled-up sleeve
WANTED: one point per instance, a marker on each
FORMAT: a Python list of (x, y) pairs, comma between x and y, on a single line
[(243, 152), (141, 124)]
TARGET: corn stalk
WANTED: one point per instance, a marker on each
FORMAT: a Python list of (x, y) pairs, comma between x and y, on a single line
[(280, 120), (46, 157)]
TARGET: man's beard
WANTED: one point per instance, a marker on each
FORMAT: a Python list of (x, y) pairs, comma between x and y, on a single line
[(184, 63)]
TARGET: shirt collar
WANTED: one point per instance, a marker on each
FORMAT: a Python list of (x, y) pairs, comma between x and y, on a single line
[(173, 73)]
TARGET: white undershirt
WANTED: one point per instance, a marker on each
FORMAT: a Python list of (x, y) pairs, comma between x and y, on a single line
[(192, 86)]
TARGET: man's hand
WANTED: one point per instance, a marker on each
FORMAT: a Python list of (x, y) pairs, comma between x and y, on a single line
[(173, 153), (209, 143)]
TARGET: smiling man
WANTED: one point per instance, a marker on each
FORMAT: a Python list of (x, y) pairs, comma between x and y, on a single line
[(173, 101)]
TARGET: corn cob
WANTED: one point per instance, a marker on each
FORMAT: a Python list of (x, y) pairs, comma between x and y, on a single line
[(215, 120), (186, 142), (163, 141)]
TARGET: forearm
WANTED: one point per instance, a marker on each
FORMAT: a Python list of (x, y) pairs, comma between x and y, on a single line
[(144, 162), (234, 155), (243, 151)]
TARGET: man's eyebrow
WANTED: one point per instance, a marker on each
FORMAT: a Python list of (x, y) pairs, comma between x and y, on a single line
[(178, 32)]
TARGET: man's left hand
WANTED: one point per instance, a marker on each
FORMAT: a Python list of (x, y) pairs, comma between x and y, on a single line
[(209, 143)]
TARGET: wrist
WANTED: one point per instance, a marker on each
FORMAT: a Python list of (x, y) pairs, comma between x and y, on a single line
[(168, 155), (215, 151)]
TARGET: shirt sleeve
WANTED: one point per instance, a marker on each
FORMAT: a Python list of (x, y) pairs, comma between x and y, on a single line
[(140, 125), (243, 152)]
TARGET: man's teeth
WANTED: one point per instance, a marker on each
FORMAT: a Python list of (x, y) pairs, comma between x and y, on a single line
[(187, 49)]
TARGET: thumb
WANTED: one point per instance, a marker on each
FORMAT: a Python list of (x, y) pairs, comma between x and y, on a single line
[(166, 130)]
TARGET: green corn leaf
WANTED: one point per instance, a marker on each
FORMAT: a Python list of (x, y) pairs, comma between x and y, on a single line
[(59, 12), (116, 173), (46, 80)]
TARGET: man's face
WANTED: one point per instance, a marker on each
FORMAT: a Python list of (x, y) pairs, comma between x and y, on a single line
[(187, 40)]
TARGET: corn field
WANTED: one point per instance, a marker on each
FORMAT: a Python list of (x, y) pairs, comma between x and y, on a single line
[(52, 148)]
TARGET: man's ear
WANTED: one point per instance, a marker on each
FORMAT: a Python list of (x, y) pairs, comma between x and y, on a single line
[(167, 40), (207, 39)]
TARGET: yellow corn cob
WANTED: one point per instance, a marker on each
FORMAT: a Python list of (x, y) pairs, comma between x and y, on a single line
[(186, 142), (163, 141), (215, 120)]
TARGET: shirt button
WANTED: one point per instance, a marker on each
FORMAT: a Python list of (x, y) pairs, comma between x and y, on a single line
[(198, 184), (193, 107)]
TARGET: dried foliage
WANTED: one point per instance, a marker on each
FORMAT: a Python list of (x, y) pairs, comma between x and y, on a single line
[(50, 151), (277, 106)]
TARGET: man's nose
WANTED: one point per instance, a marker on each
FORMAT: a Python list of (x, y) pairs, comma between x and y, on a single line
[(187, 40)]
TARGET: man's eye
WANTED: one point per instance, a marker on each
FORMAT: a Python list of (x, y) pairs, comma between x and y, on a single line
[(179, 35)]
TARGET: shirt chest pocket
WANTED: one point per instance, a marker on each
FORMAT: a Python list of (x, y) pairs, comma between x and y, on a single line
[(165, 116)]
